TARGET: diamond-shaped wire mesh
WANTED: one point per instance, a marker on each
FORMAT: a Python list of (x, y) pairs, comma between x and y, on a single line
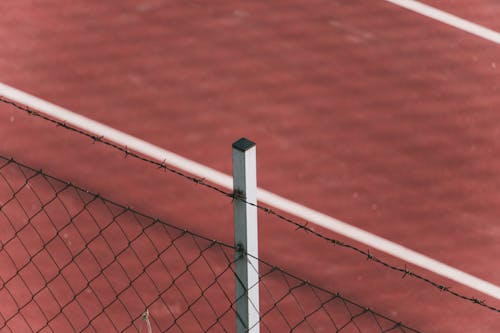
[(72, 261)]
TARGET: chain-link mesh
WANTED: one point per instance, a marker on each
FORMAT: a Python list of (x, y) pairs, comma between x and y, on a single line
[(72, 261)]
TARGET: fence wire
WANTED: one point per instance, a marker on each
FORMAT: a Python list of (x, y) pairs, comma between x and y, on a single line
[(302, 226), (73, 261)]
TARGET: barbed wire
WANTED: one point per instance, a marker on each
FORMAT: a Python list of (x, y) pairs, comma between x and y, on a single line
[(74, 260), (234, 196)]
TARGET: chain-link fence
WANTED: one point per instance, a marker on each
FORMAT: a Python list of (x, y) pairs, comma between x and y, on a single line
[(71, 260)]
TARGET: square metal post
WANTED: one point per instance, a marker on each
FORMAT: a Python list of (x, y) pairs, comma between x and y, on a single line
[(246, 236)]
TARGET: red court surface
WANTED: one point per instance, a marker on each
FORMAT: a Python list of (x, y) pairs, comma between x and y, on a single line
[(362, 110)]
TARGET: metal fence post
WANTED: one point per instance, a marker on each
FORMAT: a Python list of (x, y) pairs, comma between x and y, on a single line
[(246, 236)]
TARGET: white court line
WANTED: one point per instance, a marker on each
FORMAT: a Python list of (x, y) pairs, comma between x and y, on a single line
[(449, 19), (263, 196)]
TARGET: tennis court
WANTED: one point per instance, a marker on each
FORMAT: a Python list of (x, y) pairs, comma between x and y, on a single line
[(365, 111)]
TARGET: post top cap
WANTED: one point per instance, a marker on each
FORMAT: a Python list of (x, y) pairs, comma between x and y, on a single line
[(243, 144)]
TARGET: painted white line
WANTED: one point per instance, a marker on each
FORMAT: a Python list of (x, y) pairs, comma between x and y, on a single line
[(449, 19), (266, 197)]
